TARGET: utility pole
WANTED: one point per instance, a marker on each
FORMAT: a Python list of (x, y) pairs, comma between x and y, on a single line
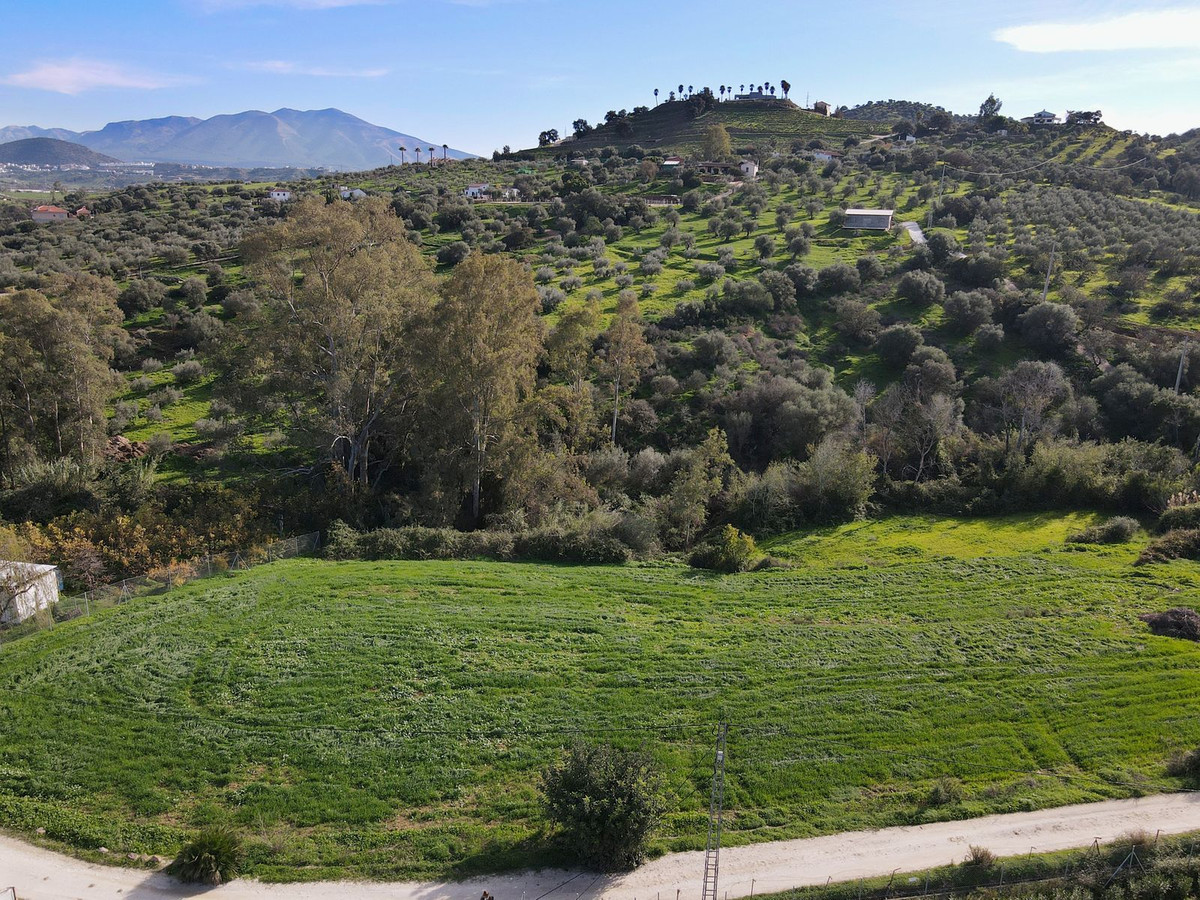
[(712, 849), (1182, 359), (938, 200), (1049, 269)]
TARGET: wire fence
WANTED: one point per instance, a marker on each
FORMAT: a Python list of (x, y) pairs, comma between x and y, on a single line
[(160, 581)]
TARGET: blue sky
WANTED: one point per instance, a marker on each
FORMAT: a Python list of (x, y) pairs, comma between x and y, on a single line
[(478, 74)]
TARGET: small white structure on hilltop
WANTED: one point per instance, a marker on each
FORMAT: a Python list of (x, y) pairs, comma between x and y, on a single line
[(868, 219), (477, 191), (25, 589), (281, 195)]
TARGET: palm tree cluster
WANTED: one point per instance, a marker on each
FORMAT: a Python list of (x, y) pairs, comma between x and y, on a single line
[(764, 88)]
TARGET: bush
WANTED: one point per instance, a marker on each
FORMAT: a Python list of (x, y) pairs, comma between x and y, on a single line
[(1183, 543), (1185, 765), (188, 370), (922, 288), (897, 343), (730, 551), (980, 858), (607, 801), (213, 857), (1117, 530), (1179, 517), (945, 792), (1179, 622)]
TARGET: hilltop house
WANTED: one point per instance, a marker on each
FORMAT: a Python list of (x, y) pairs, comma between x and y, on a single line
[(477, 191), (823, 108), (50, 214), (826, 155), (25, 589), (1045, 117), (281, 195), (753, 95), (868, 219)]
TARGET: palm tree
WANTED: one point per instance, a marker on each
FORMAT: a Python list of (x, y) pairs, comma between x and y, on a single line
[(742, 89), (445, 150), (690, 90), (783, 83), (656, 96), (772, 90), (403, 150), (432, 151), (417, 150), (721, 91)]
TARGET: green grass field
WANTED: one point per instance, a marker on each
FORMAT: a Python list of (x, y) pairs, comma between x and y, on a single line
[(391, 719)]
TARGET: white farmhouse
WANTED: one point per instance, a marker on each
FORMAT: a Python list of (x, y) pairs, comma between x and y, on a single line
[(25, 589), (351, 193), (477, 191), (281, 195), (749, 169)]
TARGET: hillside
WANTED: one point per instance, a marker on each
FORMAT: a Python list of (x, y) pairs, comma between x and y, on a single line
[(44, 151), (372, 733), (285, 137), (673, 128)]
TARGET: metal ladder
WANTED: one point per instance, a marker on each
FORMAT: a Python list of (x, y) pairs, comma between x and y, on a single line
[(712, 850)]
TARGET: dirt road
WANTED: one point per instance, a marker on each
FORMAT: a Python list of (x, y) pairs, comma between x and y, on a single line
[(41, 875)]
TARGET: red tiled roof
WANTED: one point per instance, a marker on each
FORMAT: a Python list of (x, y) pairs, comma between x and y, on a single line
[(50, 209)]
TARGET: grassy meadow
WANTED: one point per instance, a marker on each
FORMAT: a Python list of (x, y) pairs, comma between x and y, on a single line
[(391, 719)]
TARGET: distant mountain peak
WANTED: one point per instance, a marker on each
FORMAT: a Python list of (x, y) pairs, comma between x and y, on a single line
[(329, 137)]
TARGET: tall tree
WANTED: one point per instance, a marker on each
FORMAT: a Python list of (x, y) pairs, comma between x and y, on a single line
[(628, 354), (569, 351), (486, 334), (717, 143), (331, 350), (786, 86)]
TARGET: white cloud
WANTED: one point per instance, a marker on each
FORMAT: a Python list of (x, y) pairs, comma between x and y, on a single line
[(74, 76), (1147, 30), (284, 67)]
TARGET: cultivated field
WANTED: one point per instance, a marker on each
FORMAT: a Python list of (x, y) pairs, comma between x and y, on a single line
[(391, 719)]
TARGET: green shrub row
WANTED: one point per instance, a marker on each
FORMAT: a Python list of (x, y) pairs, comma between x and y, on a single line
[(586, 542)]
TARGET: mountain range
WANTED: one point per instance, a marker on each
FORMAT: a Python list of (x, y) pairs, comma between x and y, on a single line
[(285, 137)]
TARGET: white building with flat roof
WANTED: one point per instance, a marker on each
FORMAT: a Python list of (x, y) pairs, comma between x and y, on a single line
[(868, 219)]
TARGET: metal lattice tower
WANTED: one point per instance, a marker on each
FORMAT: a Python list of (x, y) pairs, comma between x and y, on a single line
[(712, 850)]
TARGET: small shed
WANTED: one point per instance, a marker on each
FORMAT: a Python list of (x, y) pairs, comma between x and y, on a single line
[(25, 589), (749, 168), (281, 195), (868, 219)]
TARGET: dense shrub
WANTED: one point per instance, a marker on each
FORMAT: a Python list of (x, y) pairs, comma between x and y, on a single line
[(922, 288), (1183, 543), (729, 551), (1117, 530), (896, 344), (213, 857), (1179, 517), (607, 541), (607, 801)]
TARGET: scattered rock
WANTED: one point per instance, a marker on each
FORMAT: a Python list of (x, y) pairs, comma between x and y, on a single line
[(41, 831), (121, 449), (135, 857), (103, 850)]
